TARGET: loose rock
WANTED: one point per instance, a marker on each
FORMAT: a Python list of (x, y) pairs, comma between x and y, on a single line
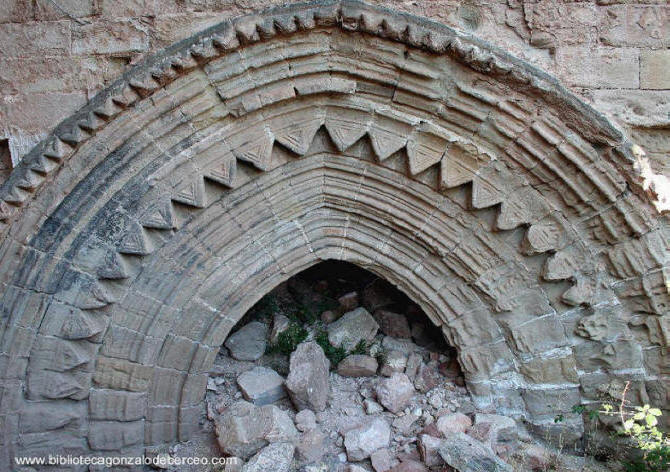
[(276, 457), (357, 365), (395, 392), (280, 323), (393, 324), (348, 301), (363, 441), (351, 328), (394, 361), (466, 454), (305, 420), (453, 423), (243, 428), (382, 460), (249, 342), (261, 386), (307, 381), (310, 448)]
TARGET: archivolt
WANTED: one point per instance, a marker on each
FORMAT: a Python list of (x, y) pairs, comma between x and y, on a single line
[(144, 227)]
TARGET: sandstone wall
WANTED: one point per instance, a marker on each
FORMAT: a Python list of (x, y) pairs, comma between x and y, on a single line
[(55, 54)]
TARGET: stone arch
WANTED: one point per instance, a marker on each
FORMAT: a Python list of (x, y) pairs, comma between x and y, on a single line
[(512, 212)]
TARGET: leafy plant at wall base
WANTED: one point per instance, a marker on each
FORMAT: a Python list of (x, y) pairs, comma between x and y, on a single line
[(288, 339), (334, 354)]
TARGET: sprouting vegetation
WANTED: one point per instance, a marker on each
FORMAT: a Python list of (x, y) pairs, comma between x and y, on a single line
[(288, 340)]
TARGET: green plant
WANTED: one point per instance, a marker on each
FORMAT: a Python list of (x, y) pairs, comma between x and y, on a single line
[(288, 339), (303, 314), (267, 306), (640, 423), (334, 354), (360, 348)]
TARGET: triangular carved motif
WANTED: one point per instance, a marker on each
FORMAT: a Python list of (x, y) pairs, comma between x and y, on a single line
[(345, 132), (135, 241), (424, 150), (257, 149), (191, 193), (298, 137), (158, 215), (385, 143), (223, 170)]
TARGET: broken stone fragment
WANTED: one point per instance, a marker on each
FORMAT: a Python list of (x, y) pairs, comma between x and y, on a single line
[(498, 432), (409, 466), (261, 386), (466, 454), (243, 428), (382, 460), (348, 301), (307, 381), (357, 365), (453, 423), (393, 324), (249, 342), (280, 323), (361, 442), (276, 457), (394, 361), (311, 446), (305, 420), (395, 392), (353, 327)]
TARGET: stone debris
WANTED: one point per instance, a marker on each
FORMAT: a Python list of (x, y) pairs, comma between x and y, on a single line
[(276, 457), (348, 301), (261, 386), (307, 381), (466, 454), (361, 442), (453, 423), (407, 412), (249, 342), (395, 392), (357, 365), (243, 428), (280, 323), (305, 420), (353, 327), (393, 324)]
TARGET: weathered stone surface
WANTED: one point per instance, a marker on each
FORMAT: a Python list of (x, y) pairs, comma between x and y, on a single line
[(578, 186), (276, 457), (305, 420), (409, 466), (357, 365), (280, 323), (653, 69), (361, 442), (353, 327), (453, 423), (242, 429), (261, 386), (382, 460), (311, 447), (307, 381), (393, 324), (394, 361), (498, 432), (429, 449), (469, 455), (249, 342), (395, 392)]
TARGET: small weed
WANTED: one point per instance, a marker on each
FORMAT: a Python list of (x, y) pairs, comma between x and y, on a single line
[(360, 348), (334, 354), (289, 339)]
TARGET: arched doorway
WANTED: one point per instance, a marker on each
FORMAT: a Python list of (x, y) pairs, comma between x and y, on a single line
[(141, 230)]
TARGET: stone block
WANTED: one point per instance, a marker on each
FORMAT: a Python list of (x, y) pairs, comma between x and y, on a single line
[(539, 335), (47, 38), (114, 435), (109, 37), (655, 69), (129, 8), (551, 402), (636, 26), (16, 11), (608, 68), (46, 11), (555, 370), (116, 405), (40, 112), (119, 374)]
